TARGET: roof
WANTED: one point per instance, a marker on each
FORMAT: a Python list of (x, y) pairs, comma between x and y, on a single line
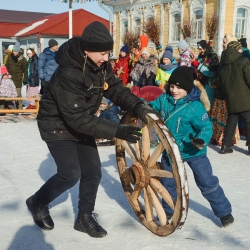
[(8, 30), (58, 25), (12, 16)]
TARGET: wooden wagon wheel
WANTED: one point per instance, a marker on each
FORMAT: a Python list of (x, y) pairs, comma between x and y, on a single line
[(140, 180)]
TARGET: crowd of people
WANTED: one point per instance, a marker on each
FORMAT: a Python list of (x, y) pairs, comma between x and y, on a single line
[(20, 71), (139, 66), (201, 100)]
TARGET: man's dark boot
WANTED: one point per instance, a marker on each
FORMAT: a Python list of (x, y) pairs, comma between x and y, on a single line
[(40, 214), (248, 150), (87, 224), (225, 150)]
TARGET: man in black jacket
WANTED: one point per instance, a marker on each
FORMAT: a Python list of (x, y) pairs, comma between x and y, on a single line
[(235, 80), (68, 124)]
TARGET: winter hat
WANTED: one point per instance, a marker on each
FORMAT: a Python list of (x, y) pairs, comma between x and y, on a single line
[(170, 48), (243, 42), (52, 43), (230, 38), (10, 47), (202, 44), (96, 38), (188, 40), (168, 54), (183, 45), (234, 45), (183, 77), (16, 47), (146, 51), (125, 49)]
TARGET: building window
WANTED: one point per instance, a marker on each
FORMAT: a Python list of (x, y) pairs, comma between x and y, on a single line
[(241, 23), (176, 27), (198, 23), (125, 26), (137, 25)]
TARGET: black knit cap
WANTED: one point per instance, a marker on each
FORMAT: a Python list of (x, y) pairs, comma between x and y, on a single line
[(52, 43), (96, 38), (183, 77)]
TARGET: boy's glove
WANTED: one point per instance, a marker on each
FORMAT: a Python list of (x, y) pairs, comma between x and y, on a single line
[(197, 142), (128, 133), (141, 109)]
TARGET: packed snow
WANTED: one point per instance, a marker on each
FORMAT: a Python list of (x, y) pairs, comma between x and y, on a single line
[(25, 163)]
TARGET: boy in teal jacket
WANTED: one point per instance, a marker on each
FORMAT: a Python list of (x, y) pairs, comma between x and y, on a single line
[(183, 113)]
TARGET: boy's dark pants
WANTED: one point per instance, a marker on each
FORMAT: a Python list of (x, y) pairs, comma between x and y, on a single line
[(231, 124), (74, 160), (205, 180)]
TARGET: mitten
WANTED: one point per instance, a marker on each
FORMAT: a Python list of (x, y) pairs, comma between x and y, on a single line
[(128, 133), (197, 142), (141, 109)]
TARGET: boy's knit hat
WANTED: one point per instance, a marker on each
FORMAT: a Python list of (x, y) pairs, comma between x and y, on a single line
[(168, 54), (125, 49), (234, 45), (183, 45), (16, 47), (96, 38), (183, 77), (170, 48)]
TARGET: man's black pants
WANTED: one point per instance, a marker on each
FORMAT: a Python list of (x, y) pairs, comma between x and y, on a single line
[(74, 160), (231, 124)]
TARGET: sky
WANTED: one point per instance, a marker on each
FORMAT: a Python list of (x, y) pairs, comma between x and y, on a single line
[(49, 6)]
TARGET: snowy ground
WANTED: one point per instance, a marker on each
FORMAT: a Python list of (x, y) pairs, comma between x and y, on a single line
[(25, 164)]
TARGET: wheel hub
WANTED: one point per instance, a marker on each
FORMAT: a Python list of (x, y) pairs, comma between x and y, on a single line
[(139, 174)]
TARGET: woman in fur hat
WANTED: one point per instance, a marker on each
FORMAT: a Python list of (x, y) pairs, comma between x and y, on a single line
[(143, 72)]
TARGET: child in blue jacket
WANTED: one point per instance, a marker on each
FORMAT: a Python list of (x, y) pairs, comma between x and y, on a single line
[(183, 113)]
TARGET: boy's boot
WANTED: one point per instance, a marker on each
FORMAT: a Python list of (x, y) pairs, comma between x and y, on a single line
[(249, 150), (40, 214), (225, 150), (227, 220), (87, 224)]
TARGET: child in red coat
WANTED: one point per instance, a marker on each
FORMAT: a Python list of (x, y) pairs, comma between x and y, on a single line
[(122, 66)]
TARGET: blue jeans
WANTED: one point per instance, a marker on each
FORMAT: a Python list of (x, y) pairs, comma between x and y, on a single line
[(74, 160), (206, 182), (111, 114)]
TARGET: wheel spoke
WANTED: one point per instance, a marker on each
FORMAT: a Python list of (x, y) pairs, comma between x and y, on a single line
[(129, 150), (137, 150), (160, 173), (155, 155), (148, 206), (136, 193), (156, 185), (145, 143), (158, 207)]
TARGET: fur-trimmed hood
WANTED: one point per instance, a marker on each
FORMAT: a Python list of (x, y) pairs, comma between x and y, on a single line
[(203, 97)]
